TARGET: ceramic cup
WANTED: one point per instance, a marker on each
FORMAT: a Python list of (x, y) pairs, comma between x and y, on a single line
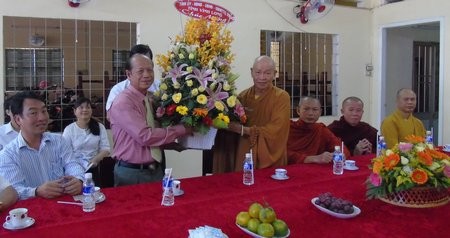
[(280, 173), (17, 217), (176, 185), (350, 163), (446, 147)]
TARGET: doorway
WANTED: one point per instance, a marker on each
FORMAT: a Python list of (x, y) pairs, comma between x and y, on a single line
[(411, 54)]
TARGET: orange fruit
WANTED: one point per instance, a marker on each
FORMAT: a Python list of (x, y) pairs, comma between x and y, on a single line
[(242, 219), (266, 230), (254, 209), (253, 225), (280, 227), (267, 215)]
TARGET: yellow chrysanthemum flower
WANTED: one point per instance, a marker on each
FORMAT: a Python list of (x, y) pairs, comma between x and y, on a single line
[(231, 101), (194, 92), (219, 105), (202, 99), (223, 117), (177, 97), (182, 110)]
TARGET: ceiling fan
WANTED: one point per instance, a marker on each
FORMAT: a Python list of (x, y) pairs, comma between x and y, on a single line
[(313, 9)]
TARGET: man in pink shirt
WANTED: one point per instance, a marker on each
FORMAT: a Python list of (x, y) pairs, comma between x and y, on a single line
[(136, 141)]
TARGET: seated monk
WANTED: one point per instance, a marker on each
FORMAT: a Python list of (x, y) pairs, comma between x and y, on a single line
[(358, 136), (402, 122), (311, 142)]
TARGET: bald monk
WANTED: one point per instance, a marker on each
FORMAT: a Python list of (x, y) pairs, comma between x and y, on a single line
[(359, 137), (402, 123), (268, 111), (309, 141)]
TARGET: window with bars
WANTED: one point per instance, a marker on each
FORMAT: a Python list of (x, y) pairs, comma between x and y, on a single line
[(62, 59), (306, 65)]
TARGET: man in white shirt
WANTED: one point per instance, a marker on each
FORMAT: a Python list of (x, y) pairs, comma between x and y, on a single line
[(118, 88), (8, 131)]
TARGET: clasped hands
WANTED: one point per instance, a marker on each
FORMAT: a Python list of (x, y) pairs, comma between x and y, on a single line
[(65, 185), (363, 147)]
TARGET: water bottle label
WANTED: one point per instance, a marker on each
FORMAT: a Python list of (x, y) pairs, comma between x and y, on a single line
[(338, 157), (247, 166), (87, 189), (164, 182)]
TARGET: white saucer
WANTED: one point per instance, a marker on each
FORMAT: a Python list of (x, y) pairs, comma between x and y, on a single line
[(445, 150), (279, 178), (351, 168), (181, 192), (29, 222), (101, 197)]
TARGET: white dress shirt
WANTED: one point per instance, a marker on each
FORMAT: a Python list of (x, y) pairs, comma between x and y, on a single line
[(7, 134), (118, 88), (86, 145)]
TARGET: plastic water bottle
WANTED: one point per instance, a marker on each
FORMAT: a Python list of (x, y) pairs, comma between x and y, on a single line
[(247, 178), (381, 145), (88, 193), (429, 138), (168, 198), (338, 161), (166, 177)]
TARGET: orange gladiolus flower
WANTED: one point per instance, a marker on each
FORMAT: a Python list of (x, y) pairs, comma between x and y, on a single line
[(414, 139), (391, 161), (419, 176), (202, 112), (425, 158), (436, 154), (377, 166)]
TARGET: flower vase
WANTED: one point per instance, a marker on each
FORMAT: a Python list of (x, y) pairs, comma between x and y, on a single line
[(418, 197), (199, 141)]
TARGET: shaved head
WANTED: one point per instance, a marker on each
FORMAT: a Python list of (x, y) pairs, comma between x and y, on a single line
[(352, 99), (309, 109), (406, 100), (308, 99)]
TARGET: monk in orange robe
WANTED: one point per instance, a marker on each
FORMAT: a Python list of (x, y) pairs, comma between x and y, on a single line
[(265, 133), (309, 141)]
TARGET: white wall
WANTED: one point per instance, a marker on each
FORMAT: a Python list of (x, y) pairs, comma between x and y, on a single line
[(399, 61), (413, 11), (159, 20)]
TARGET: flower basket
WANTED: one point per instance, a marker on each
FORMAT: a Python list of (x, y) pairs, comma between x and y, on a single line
[(418, 197), (199, 141), (410, 174)]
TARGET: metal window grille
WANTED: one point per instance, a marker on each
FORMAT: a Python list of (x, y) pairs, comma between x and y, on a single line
[(306, 64)]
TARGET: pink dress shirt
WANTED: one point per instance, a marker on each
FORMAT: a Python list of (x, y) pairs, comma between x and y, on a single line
[(132, 136)]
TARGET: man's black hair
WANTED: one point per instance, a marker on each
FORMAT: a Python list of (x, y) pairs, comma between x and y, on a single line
[(18, 99), (139, 49)]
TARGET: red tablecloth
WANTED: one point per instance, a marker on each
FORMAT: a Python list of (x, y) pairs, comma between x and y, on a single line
[(215, 201)]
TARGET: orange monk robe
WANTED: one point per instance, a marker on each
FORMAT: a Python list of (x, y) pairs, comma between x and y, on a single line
[(308, 139), (269, 117)]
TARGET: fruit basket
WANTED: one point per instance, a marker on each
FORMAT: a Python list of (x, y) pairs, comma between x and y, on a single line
[(261, 221)]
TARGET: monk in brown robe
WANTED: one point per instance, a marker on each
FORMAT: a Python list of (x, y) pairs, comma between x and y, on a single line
[(359, 137), (309, 141), (265, 133)]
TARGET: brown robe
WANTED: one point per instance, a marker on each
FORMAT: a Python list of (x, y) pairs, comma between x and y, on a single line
[(308, 139), (351, 135), (268, 117)]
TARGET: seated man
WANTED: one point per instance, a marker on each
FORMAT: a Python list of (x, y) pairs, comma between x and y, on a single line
[(38, 163), (9, 131), (402, 123), (359, 137), (311, 142), (8, 195)]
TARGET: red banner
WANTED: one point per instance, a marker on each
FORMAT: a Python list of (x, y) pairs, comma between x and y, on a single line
[(200, 9)]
